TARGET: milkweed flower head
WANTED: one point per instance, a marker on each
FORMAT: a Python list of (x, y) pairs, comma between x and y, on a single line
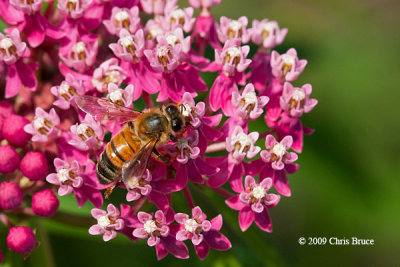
[(238, 134)]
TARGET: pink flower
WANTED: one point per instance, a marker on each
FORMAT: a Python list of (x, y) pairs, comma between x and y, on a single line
[(155, 228), (67, 91), (240, 144), (178, 18), (87, 135), (287, 67), (267, 33), (108, 72), (233, 58), (12, 50), (43, 125), (73, 8), (295, 101), (80, 54), (123, 97), (67, 176), (139, 187), (28, 6), (204, 3), (235, 30), (107, 222), (192, 228), (123, 18), (249, 106), (253, 204), (129, 47), (176, 37), (157, 7), (278, 153), (164, 58)]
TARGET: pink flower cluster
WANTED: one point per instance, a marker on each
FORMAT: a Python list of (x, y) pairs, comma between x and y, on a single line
[(110, 52)]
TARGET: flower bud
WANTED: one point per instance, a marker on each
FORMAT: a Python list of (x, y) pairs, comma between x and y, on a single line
[(6, 109), (10, 195), (13, 130), (1, 257), (45, 203), (34, 165), (21, 239), (1, 127), (9, 159)]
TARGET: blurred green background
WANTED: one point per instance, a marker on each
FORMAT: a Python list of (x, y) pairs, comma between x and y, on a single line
[(348, 183)]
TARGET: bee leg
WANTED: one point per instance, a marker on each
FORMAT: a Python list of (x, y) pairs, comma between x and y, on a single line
[(111, 189), (160, 157)]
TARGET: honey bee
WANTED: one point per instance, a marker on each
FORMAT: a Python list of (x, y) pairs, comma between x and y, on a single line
[(126, 156)]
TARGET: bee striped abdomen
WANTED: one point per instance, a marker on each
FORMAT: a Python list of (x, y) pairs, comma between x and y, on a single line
[(120, 149)]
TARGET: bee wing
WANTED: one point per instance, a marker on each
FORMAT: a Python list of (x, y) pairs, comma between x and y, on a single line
[(101, 108), (136, 166)]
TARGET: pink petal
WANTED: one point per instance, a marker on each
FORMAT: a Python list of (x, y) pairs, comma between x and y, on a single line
[(202, 250), (96, 230), (175, 247), (108, 235), (235, 203), (216, 223), (216, 240), (246, 218), (281, 183), (13, 82), (263, 221)]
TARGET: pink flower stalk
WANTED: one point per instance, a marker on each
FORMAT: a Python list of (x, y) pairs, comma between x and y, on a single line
[(67, 91), (287, 67), (295, 101), (108, 72), (43, 125), (279, 161), (178, 18), (253, 204), (108, 222), (73, 8), (71, 177), (235, 30), (123, 18), (157, 7), (159, 232), (203, 233), (80, 54), (87, 135), (267, 33), (249, 105), (234, 62), (12, 50)]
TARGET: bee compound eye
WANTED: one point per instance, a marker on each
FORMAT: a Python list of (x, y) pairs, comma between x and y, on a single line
[(176, 125)]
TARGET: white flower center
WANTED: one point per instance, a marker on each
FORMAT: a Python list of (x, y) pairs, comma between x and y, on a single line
[(155, 31), (115, 76), (177, 14), (127, 41), (190, 225), (186, 110), (103, 221), (234, 52), (250, 98), (64, 88), (235, 25), (243, 139), (162, 51), (79, 47), (288, 60), (63, 175), (116, 96), (172, 39), (268, 27), (82, 128), (122, 15), (258, 192), (298, 95), (150, 226), (279, 150), (6, 43)]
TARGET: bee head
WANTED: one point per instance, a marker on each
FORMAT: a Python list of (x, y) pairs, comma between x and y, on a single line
[(176, 118)]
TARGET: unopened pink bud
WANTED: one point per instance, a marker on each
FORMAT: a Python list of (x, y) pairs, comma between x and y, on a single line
[(34, 165), (45, 203), (13, 130), (10, 195), (21, 239), (6, 109), (9, 159)]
